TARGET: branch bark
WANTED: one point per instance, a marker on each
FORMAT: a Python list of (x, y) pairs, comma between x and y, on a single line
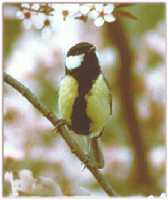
[(103, 182)]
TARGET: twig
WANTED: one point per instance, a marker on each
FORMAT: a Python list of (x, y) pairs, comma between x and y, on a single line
[(104, 183)]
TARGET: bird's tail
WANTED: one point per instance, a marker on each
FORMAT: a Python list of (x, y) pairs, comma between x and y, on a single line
[(91, 147), (95, 153)]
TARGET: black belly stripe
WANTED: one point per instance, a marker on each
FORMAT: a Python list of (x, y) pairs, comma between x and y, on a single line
[(79, 120), (85, 76)]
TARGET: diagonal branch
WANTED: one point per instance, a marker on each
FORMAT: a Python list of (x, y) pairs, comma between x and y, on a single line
[(103, 182)]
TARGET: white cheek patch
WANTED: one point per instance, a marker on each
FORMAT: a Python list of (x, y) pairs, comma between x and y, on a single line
[(73, 62)]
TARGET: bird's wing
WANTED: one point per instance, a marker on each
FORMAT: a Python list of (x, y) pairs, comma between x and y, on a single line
[(68, 91), (110, 95), (98, 105)]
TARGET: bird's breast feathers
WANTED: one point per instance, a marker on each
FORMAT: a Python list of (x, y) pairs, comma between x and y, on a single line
[(68, 91), (97, 102)]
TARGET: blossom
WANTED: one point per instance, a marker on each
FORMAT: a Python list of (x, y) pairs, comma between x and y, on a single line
[(47, 24), (162, 196), (65, 11), (44, 15), (102, 13), (26, 17), (35, 6), (25, 5), (26, 180), (27, 13), (38, 20), (85, 8), (25, 183)]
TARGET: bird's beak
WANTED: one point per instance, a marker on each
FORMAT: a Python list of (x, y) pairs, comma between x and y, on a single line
[(92, 49)]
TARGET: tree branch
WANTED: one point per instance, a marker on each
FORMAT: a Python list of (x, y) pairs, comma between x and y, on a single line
[(103, 182)]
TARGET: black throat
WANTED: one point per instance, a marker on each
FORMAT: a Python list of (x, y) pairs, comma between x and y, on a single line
[(85, 75)]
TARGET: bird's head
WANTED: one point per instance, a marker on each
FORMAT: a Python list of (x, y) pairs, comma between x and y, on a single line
[(80, 53)]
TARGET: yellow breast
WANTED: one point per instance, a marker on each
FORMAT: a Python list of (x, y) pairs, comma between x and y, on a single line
[(98, 102), (98, 105), (68, 91)]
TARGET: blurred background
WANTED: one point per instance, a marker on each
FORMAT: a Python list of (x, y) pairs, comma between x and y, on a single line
[(133, 59)]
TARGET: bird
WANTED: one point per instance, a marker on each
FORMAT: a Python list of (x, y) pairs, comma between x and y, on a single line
[(84, 99)]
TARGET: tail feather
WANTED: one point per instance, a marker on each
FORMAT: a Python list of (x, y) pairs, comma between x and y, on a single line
[(91, 147), (96, 153)]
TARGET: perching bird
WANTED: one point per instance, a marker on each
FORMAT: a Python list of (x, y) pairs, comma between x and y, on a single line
[(84, 99)]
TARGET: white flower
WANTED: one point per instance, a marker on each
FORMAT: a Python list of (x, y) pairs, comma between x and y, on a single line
[(20, 14), (26, 16), (26, 180), (49, 26), (85, 8), (38, 20), (35, 6), (99, 7), (25, 183), (46, 33), (27, 23), (25, 5), (16, 187), (93, 14), (65, 11), (102, 13), (15, 184), (151, 197), (8, 176), (163, 195)]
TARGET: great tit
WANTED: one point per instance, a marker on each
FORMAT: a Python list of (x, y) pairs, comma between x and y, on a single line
[(84, 98)]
